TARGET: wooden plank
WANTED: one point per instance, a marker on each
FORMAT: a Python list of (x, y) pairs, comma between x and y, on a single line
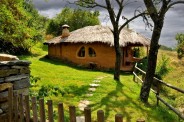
[(118, 118), (42, 110), (27, 108), (60, 112), (15, 107), (10, 103), (171, 107), (21, 108), (169, 85), (100, 116), (34, 109), (87, 114), (50, 111), (72, 113)]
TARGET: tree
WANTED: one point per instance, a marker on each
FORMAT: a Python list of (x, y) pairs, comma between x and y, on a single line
[(19, 28), (180, 45), (157, 10), (115, 17), (76, 19)]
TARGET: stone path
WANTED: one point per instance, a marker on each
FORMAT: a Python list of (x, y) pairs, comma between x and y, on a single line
[(84, 103)]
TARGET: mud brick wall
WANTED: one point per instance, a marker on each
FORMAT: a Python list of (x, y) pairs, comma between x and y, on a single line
[(17, 73)]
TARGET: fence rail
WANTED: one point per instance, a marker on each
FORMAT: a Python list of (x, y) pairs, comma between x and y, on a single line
[(157, 92), (23, 109)]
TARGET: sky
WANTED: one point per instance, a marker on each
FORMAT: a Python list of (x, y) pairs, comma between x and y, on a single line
[(174, 19)]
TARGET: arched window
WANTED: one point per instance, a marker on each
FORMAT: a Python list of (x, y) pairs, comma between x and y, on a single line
[(91, 52), (81, 52)]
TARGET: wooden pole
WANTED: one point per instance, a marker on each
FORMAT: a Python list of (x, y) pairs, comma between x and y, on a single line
[(16, 107), (60, 112), (10, 103), (21, 108), (42, 110), (87, 114), (27, 108), (72, 113), (50, 111), (100, 116), (118, 118), (34, 108)]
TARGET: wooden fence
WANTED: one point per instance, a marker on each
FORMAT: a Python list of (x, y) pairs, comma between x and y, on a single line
[(23, 109), (157, 90)]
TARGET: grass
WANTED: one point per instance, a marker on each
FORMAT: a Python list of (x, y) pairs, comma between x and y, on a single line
[(112, 97)]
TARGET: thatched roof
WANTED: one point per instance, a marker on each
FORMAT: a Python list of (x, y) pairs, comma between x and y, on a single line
[(101, 34)]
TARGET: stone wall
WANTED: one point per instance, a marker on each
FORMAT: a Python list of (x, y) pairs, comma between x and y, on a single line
[(15, 72)]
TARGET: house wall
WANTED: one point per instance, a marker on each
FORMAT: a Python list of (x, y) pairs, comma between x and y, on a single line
[(54, 50), (105, 55)]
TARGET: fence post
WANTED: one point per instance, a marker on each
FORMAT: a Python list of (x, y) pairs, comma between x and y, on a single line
[(118, 118), (10, 103), (27, 108), (42, 110), (34, 108), (21, 108), (60, 112), (100, 116), (50, 111), (158, 92), (15, 107), (72, 113), (87, 114)]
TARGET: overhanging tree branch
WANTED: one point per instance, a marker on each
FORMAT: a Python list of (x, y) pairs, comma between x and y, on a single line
[(129, 20)]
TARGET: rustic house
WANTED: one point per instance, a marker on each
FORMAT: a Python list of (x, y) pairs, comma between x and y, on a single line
[(94, 45)]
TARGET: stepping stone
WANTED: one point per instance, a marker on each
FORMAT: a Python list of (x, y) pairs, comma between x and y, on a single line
[(89, 95), (80, 119), (96, 81), (94, 85), (92, 89), (83, 104)]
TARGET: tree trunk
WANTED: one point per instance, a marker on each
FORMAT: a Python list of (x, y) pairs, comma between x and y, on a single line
[(152, 60), (118, 56)]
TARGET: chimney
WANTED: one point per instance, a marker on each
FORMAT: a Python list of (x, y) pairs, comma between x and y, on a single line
[(65, 31)]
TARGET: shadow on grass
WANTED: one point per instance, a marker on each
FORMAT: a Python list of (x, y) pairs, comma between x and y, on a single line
[(78, 67), (111, 103)]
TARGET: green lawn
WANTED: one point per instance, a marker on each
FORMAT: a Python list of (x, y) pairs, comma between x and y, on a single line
[(112, 97)]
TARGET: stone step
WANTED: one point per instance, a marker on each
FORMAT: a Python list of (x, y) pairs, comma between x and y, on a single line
[(92, 89), (89, 95), (96, 81), (80, 119), (94, 85), (83, 104)]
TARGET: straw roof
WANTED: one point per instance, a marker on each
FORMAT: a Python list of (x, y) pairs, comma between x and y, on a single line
[(101, 34)]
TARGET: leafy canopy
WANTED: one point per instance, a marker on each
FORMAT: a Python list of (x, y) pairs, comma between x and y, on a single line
[(180, 45), (76, 19), (21, 25)]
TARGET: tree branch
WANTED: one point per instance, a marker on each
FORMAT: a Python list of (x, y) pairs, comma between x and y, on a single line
[(88, 4), (129, 20), (120, 10), (111, 12), (174, 3), (151, 9)]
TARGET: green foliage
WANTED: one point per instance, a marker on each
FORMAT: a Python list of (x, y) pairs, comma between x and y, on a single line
[(21, 25), (180, 45), (76, 19), (163, 67), (162, 47)]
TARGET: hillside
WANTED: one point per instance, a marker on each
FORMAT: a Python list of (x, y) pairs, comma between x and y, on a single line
[(69, 84)]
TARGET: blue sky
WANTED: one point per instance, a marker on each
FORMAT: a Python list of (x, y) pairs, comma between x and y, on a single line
[(174, 19)]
